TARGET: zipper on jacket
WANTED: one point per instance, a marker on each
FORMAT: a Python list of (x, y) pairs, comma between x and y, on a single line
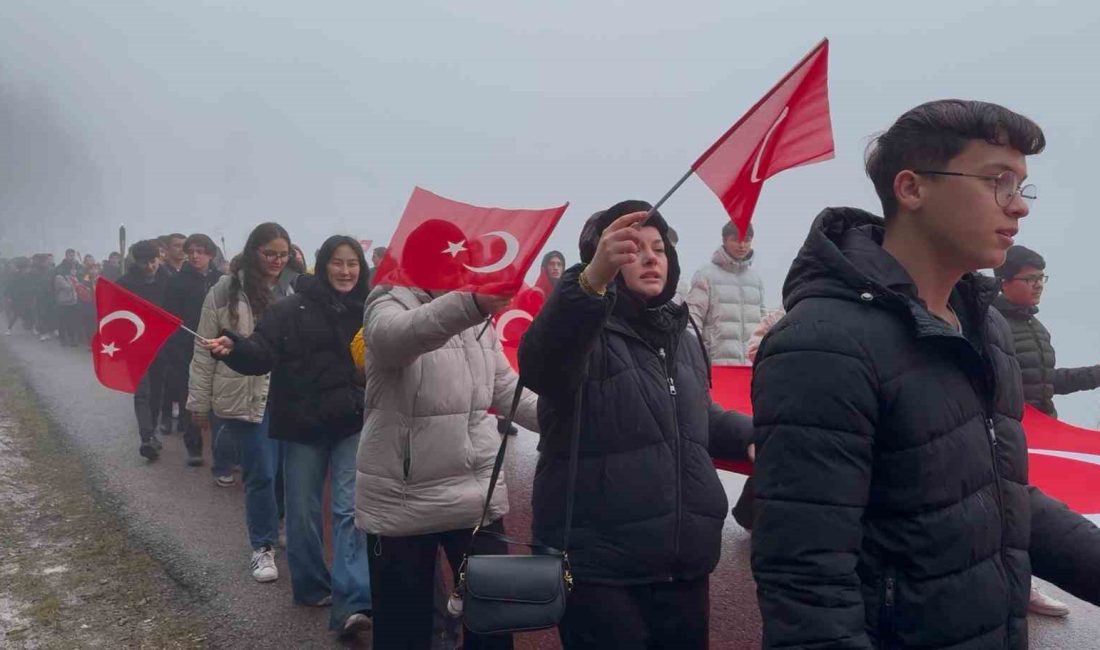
[(887, 614), (676, 430)]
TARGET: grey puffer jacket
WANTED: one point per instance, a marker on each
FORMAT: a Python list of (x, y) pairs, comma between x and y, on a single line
[(1034, 351), (428, 443), (727, 300)]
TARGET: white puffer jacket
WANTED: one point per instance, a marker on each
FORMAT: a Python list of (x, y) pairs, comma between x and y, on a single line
[(428, 443), (727, 301), (212, 385)]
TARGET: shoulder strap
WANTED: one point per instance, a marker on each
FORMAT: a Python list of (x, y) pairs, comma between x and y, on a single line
[(574, 448)]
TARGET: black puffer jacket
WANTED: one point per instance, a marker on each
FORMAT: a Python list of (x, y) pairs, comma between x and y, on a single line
[(893, 508), (184, 296), (152, 289), (1042, 381), (303, 341), (649, 505)]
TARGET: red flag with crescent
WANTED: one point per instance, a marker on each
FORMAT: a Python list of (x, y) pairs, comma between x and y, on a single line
[(790, 126), (129, 333), (444, 245)]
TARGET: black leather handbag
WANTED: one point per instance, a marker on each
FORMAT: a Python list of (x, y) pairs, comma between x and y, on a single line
[(518, 593)]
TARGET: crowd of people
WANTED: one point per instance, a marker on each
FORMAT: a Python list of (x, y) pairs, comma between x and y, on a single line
[(889, 504)]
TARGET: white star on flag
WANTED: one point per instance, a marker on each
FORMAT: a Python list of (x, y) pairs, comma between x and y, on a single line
[(109, 349), (454, 248)]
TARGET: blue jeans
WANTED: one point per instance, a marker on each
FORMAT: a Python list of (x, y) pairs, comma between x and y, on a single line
[(304, 474), (259, 457), (224, 448)]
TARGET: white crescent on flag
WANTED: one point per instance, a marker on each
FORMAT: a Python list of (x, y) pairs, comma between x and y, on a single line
[(139, 324), (755, 177), (509, 316), (511, 252)]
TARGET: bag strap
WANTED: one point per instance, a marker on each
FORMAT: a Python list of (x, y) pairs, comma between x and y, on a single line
[(574, 449)]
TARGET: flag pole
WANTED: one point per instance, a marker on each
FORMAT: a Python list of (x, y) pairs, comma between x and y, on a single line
[(669, 193), (192, 332)]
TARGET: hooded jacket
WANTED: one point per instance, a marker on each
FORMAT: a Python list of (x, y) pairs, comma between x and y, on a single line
[(429, 441), (1034, 351), (149, 288), (303, 341), (649, 507), (892, 496), (727, 300)]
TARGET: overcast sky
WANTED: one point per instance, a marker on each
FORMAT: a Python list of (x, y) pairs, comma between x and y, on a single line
[(323, 116)]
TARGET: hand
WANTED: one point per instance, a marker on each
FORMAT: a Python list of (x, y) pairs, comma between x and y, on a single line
[(619, 246), (218, 347), (752, 452), (201, 420), (491, 305)]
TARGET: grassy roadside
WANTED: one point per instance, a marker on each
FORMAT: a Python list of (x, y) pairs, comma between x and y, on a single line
[(70, 575)]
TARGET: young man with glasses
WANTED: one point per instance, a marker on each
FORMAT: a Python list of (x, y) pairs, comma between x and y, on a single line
[(1022, 283), (892, 504)]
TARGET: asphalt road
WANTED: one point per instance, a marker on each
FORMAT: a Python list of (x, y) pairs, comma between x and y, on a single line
[(197, 529)]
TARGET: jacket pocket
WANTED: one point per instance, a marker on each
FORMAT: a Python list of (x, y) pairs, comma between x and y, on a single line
[(888, 594)]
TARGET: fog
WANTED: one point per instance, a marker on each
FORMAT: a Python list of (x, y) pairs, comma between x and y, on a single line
[(211, 117)]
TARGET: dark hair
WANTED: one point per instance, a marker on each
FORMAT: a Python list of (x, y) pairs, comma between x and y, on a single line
[(247, 266), (379, 251), (1017, 258), (175, 235), (145, 250), (202, 241), (731, 230), (933, 133), (550, 256), (328, 249), (294, 263)]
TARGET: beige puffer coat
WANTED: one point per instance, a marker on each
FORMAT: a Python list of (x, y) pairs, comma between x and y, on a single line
[(428, 443), (727, 301), (212, 386)]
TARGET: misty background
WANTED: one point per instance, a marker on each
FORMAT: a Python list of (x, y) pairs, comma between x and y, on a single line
[(214, 116)]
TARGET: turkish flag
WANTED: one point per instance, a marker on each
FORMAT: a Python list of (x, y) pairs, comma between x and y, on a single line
[(130, 331), (444, 245), (512, 323), (788, 127)]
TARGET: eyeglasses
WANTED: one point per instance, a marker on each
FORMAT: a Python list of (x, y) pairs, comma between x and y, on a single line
[(1006, 186), (274, 256), (1034, 280)]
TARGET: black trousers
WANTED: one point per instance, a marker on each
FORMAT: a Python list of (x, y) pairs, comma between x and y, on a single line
[(147, 399), (655, 616), (402, 580), (68, 325), (176, 380)]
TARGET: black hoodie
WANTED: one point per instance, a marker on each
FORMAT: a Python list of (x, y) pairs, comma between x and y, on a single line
[(303, 341), (893, 508), (649, 505)]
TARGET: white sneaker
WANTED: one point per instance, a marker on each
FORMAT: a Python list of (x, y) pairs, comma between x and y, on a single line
[(1044, 605), (224, 481), (44, 337), (263, 565)]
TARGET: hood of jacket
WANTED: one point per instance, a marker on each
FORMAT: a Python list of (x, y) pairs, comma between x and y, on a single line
[(843, 258), (726, 262)]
